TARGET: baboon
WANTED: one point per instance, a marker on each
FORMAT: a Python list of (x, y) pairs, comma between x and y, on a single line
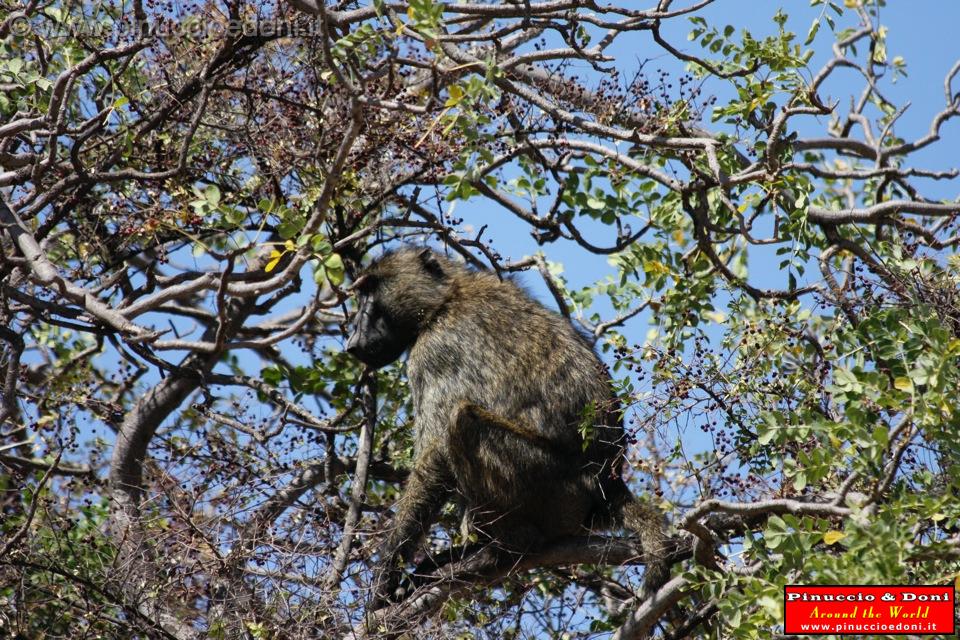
[(515, 416)]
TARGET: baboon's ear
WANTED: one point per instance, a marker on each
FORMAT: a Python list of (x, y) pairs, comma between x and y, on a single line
[(430, 263)]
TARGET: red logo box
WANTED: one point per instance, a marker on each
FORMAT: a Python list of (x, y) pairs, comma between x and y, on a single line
[(874, 609)]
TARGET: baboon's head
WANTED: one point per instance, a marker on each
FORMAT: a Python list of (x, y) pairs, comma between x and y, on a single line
[(397, 296)]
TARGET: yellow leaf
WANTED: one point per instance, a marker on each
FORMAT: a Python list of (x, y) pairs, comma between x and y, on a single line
[(904, 384), (456, 95), (717, 316), (833, 537), (289, 246), (880, 53), (937, 517), (678, 236), (953, 346), (447, 128), (946, 408), (655, 267), (851, 4), (335, 277), (274, 259)]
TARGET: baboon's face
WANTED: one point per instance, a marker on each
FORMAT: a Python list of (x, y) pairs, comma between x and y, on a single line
[(394, 297), (378, 337)]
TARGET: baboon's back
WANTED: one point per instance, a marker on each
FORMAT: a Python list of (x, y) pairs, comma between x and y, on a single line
[(495, 346)]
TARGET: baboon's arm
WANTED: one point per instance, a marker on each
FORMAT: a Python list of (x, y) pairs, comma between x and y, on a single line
[(518, 428), (427, 488)]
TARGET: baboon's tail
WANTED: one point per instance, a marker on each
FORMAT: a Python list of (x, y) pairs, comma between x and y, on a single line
[(648, 523)]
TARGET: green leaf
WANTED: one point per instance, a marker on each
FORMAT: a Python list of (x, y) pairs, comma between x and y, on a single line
[(288, 228), (812, 33), (335, 277), (234, 215), (595, 203), (766, 436), (800, 481), (333, 265), (776, 532), (271, 375), (333, 261), (212, 195), (903, 383), (320, 244), (881, 436)]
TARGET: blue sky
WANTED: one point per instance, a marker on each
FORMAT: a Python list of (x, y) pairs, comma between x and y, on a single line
[(921, 31), (924, 32)]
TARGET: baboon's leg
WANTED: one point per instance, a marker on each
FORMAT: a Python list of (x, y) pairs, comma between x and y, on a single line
[(622, 509), (648, 523), (427, 488), (521, 487), (476, 561)]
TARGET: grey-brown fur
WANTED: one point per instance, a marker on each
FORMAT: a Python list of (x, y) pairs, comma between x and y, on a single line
[(501, 386)]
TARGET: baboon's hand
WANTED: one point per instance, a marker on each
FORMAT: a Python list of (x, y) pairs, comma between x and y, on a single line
[(386, 587), (657, 574)]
